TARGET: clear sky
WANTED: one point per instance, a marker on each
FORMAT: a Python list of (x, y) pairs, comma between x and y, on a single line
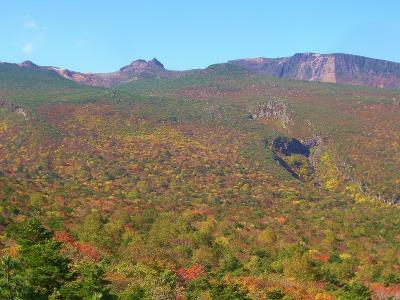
[(100, 36)]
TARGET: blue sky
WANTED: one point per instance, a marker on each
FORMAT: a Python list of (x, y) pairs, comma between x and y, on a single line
[(100, 36)]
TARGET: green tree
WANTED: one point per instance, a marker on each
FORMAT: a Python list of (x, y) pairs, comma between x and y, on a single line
[(133, 293), (92, 226), (11, 284), (40, 271), (222, 291), (43, 268), (88, 282), (275, 294), (354, 291)]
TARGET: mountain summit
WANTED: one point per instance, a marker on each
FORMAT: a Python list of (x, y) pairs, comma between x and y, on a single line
[(138, 69), (28, 64), (335, 68), (141, 65)]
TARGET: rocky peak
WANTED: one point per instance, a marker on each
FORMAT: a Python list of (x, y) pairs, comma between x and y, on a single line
[(28, 64), (141, 64), (137, 63), (306, 55), (156, 63)]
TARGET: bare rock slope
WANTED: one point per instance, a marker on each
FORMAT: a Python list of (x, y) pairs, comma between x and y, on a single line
[(336, 68)]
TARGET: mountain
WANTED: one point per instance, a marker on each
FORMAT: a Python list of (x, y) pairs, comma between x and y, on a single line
[(335, 68), (197, 185), (28, 84), (29, 76), (138, 69)]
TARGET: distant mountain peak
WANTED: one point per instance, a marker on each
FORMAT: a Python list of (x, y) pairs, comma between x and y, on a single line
[(156, 62), (308, 53), (141, 64), (28, 64), (137, 62), (334, 68), (137, 69)]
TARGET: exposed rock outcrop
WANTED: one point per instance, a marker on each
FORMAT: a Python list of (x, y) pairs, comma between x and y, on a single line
[(15, 108), (296, 156), (289, 146), (29, 64), (273, 109), (336, 68)]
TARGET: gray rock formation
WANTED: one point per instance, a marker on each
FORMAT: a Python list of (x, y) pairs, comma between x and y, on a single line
[(335, 68)]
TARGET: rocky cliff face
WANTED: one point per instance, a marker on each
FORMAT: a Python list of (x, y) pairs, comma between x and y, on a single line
[(336, 68)]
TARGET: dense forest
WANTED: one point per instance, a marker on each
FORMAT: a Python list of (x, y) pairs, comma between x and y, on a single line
[(218, 185)]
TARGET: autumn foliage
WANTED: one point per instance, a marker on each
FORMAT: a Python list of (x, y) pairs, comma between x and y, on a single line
[(175, 187), (82, 248)]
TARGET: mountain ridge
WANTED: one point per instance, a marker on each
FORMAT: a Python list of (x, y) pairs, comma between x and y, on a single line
[(333, 68)]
